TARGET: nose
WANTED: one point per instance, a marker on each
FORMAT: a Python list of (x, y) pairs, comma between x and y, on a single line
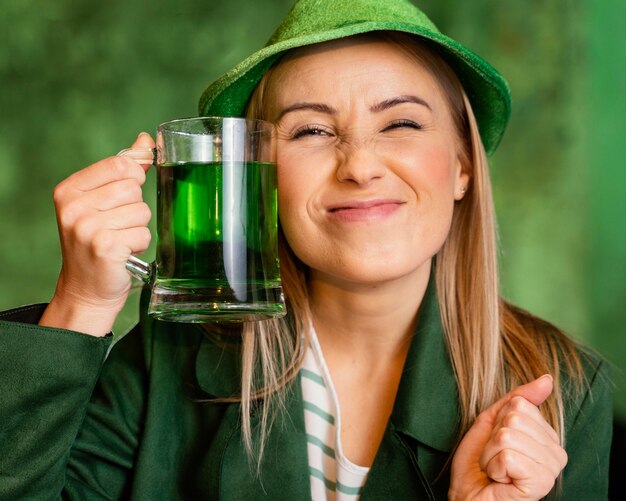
[(360, 165)]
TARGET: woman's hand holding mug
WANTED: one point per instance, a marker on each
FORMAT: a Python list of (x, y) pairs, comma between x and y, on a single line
[(102, 221)]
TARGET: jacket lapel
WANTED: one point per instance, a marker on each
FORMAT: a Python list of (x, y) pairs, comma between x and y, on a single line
[(395, 474), (426, 408), (284, 472)]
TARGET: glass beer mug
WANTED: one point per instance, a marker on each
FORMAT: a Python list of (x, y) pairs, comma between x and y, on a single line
[(217, 222)]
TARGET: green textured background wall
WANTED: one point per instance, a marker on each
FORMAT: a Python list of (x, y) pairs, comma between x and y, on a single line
[(80, 79)]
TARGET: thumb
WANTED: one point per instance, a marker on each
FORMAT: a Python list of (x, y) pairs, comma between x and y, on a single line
[(535, 392), (142, 150), (144, 140)]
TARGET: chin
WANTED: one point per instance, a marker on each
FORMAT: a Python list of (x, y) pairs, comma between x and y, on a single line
[(371, 261), (362, 272)]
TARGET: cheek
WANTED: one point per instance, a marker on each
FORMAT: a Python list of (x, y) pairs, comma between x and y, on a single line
[(292, 215), (290, 181), (428, 170), (439, 177), (296, 189), (301, 176), (430, 174)]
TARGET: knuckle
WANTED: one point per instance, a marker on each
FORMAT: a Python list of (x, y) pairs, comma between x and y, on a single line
[(137, 191), (513, 419), (66, 215), (141, 239), (103, 243), (503, 437), (507, 458), (120, 166), (146, 212), (68, 209), (59, 193), (146, 236), (82, 231), (140, 174), (498, 465), (128, 168), (517, 403)]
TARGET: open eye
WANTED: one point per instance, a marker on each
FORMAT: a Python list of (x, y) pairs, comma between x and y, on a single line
[(399, 124), (310, 130)]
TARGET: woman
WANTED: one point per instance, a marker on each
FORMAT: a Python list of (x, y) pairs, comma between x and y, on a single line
[(427, 384)]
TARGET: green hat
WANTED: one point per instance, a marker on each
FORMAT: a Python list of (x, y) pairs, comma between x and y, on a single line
[(314, 21)]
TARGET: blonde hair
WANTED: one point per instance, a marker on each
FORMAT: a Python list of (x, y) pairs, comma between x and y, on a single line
[(493, 345)]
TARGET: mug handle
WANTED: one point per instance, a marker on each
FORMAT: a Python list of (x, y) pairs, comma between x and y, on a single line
[(138, 268)]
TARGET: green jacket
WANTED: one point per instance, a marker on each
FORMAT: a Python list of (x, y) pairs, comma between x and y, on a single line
[(137, 425)]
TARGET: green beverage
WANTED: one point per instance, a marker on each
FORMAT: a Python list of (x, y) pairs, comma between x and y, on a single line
[(217, 240), (217, 222)]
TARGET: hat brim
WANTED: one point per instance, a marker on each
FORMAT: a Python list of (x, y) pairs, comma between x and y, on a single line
[(487, 91)]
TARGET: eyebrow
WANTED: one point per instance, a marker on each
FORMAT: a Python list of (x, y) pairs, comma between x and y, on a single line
[(377, 108), (319, 107), (395, 101)]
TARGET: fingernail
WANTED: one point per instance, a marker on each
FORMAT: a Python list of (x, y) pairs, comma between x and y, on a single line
[(548, 376), (142, 134)]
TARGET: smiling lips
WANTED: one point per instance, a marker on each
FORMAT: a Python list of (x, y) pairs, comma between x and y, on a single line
[(367, 210)]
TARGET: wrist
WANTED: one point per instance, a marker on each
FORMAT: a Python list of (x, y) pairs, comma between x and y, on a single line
[(80, 316)]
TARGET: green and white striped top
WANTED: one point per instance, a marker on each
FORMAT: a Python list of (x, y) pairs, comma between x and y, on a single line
[(333, 475)]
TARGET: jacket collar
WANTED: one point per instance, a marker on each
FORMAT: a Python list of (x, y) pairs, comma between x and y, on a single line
[(426, 406)]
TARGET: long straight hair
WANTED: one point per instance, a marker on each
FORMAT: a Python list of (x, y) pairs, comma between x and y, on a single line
[(493, 345)]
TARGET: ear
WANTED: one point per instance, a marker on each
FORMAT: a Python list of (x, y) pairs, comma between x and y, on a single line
[(461, 178)]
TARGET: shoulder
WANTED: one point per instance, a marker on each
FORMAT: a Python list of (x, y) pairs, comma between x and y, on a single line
[(591, 396), (583, 375), (582, 391), (588, 427)]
